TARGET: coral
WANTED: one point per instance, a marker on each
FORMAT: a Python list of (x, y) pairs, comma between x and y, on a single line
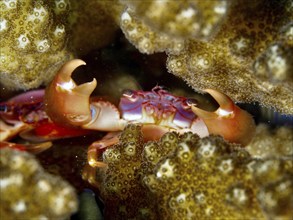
[(202, 180), (90, 22), (28, 192), (120, 188), (145, 39), (184, 19), (185, 177), (158, 26), (275, 178), (269, 142), (249, 59), (244, 50), (276, 197), (33, 41)]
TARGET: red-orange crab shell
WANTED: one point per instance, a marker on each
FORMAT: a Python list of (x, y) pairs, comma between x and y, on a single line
[(24, 115), (20, 113), (69, 104), (157, 110)]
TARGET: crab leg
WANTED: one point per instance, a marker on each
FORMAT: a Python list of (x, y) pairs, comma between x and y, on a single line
[(8, 131), (229, 121), (32, 148), (95, 150)]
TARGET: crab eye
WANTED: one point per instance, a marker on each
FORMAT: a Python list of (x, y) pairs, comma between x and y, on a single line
[(3, 108), (128, 93), (191, 102)]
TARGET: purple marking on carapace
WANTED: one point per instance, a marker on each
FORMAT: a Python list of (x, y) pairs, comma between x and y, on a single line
[(27, 107), (160, 103)]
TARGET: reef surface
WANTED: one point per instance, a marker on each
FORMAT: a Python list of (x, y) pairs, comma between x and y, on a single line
[(242, 49), (33, 42), (185, 177), (27, 191)]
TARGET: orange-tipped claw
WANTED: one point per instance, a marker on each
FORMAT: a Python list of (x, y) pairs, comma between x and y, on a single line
[(229, 121), (67, 103)]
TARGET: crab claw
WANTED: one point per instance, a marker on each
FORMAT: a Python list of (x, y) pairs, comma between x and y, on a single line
[(67, 103), (229, 121)]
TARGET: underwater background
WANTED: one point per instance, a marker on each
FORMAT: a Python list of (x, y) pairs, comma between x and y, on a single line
[(241, 48)]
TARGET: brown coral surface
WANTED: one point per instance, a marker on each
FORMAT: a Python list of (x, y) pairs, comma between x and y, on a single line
[(241, 48), (27, 191), (93, 25), (185, 177), (33, 42), (268, 142)]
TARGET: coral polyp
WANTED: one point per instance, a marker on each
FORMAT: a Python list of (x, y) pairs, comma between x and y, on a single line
[(27, 191), (185, 177), (251, 52), (33, 42), (243, 50), (151, 164), (221, 45), (184, 19)]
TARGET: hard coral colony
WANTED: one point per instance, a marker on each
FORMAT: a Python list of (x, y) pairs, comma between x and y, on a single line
[(27, 191), (182, 173), (33, 42), (243, 49), (224, 45), (185, 177)]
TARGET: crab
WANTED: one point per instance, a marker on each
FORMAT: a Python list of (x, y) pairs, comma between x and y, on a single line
[(157, 111), (25, 115)]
